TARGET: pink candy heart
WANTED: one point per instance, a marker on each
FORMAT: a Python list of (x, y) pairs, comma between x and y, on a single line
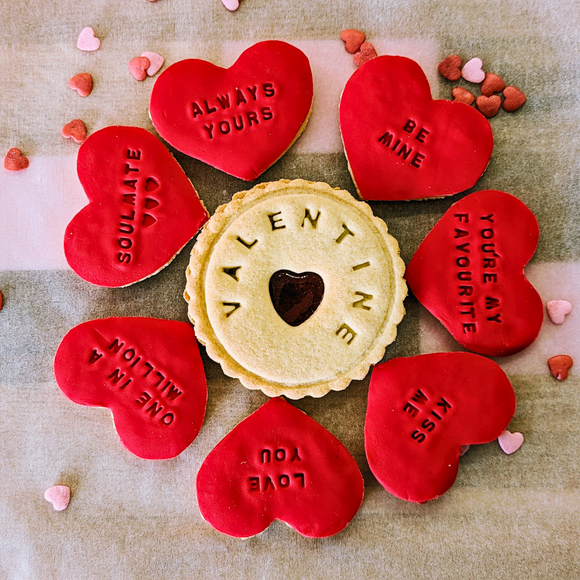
[(156, 62), (510, 442), (557, 310), (87, 40), (58, 496), (231, 5), (472, 71)]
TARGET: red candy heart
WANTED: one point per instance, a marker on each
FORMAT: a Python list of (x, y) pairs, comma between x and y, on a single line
[(82, 84), (279, 464), (560, 365), (352, 39), (15, 160), (142, 211), (421, 410), (138, 67), (147, 371), (449, 67), (74, 130), (489, 106), (367, 52), (240, 120), (469, 273), (514, 99), (492, 84), (400, 143), (462, 95)]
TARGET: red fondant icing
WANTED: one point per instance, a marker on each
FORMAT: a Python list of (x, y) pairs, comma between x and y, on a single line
[(422, 409), (241, 119), (400, 143), (279, 464), (469, 273), (147, 371), (142, 211)]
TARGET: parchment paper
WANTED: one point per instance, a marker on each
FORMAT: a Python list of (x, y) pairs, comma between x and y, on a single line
[(506, 517)]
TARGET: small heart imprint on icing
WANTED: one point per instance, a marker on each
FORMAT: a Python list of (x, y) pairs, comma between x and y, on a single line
[(296, 296), (367, 52), (514, 99), (489, 106), (151, 203), (510, 442), (82, 84), (559, 366), (149, 220), (449, 67), (75, 130), (138, 67), (15, 161), (463, 95), (352, 39), (87, 40), (557, 310), (472, 71), (58, 496), (492, 84), (151, 184), (156, 61)]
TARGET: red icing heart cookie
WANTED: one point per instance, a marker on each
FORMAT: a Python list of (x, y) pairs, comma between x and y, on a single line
[(469, 273), (279, 464), (147, 371), (400, 143), (240, 120), (142, 211), (422, 409)]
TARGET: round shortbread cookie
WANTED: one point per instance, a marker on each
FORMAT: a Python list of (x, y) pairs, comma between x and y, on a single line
[(295, 288)]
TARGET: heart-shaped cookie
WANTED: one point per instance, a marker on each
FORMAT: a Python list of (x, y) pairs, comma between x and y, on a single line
[(147, 371), (296, 297), (422, 410), (142, 211), (400, 143), (279, 464), (469, 273), (242, 119)]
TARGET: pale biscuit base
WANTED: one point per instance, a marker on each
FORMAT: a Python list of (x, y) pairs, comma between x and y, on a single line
[(301, 227)]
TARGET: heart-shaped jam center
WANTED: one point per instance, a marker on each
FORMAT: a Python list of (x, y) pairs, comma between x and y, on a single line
[(296, 296)]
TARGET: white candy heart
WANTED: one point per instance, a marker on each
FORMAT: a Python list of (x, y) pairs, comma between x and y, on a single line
[(58, 496), (156, 61), (510, 442), (231, 5), (87, 40), (557, 310), (472, 71)]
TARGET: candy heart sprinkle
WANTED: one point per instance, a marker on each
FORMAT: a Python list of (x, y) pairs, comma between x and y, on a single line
[(510, 442)]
